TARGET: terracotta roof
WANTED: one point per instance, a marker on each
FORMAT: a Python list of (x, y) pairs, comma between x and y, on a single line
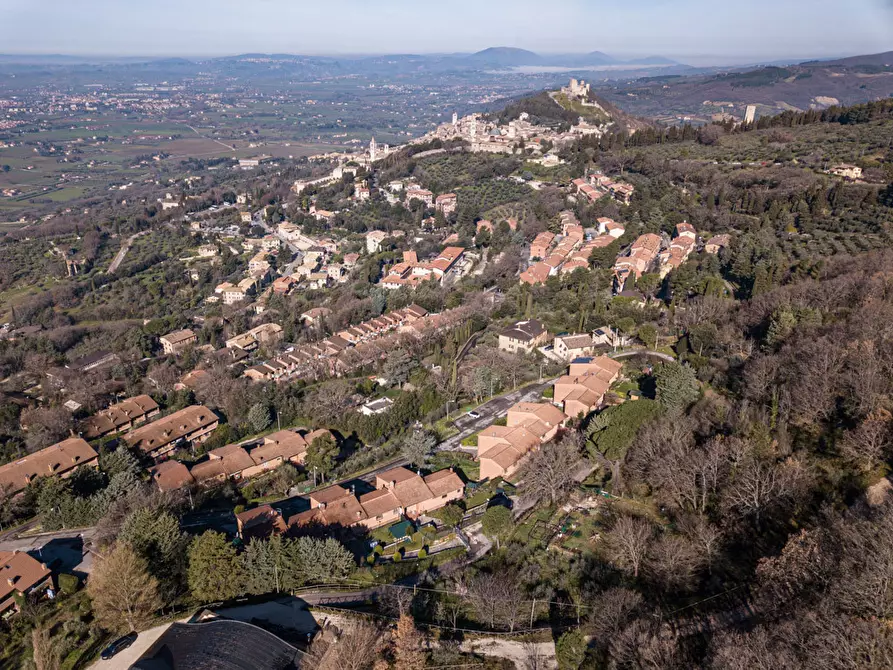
[(206, 470), (548, 413), (444, 481), (19, 573), (234, 458), (379, 502), (54, 460), (112, 419), (171, 475), (285, 444), (179, 336), (329, 495), (395, 475), (343, 511), (171, 428)]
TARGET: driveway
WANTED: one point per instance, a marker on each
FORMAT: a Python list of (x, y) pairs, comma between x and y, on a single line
[(129, 656), (491, 410)]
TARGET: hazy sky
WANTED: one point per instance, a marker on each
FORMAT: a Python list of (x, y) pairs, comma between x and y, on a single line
[(742, 29)]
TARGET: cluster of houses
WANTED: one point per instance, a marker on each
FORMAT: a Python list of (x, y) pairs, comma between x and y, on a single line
[(398, 493), (503, 449), (582, 390), (597, 186), (411, 272), (412, 319), (236, 462), (649, 253), (553, 255)]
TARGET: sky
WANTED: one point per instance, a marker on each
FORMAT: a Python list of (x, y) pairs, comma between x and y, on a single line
[(696, 31)]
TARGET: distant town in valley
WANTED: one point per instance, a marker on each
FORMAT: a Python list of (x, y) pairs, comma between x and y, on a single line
[(490, 360)]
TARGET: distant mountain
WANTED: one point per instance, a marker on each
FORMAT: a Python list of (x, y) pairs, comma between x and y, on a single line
[(653, 60), (599, 58), (772, 89), (876, 60), (506, 57)]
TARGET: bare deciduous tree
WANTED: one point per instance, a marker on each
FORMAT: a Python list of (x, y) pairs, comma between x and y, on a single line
[(125, 595), (354, 649), (759, 484), (549, 472), (46, 653), (867, 445), (628, 543)]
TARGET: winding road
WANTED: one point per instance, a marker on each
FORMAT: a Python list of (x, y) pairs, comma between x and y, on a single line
[(119, 257)]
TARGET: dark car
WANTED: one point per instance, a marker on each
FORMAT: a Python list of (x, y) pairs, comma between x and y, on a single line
[(118, 646)]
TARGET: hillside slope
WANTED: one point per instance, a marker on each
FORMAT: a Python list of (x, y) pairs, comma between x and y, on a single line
[(810, 85)]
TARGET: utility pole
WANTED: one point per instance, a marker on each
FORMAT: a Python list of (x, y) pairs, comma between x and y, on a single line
[(532, 611), (278, 421)]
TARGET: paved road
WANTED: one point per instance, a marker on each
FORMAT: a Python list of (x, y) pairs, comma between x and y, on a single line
[(491, 410), (119, 257)]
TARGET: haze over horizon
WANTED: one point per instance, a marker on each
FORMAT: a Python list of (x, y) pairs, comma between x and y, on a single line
[(691, 31)]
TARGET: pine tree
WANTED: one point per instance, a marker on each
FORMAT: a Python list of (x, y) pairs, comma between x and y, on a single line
[(214, 568)]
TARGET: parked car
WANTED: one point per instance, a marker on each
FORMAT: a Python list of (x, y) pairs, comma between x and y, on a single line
[(118, 646), (474, 415)]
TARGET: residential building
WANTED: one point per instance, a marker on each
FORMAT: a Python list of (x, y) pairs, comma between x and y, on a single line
[(641, 259), (259, 262), (315, 315), (374, 407), (681, 247), (58, 460), (94, 361), (122, 416), (610, 227), (264, 334), (583, 388), (410, 272), (851, 172), (537, 273), (20, 574), (260, 522), (570, 347), (178, 341), (186, 427), (230, 293), (374, 239), (539, 248), (171, 475), (420, 194), (284, 285), (503, 449), (446, 203), (523, 336), (399, 492), (717, 243)]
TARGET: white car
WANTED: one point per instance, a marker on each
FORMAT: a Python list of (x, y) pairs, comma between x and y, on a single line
[(474, 415)]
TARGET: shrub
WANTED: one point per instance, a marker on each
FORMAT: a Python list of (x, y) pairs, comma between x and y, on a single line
[(371, 558), (423, 552), (378, 550), (398, 556), (68, 583), (238, 509)]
